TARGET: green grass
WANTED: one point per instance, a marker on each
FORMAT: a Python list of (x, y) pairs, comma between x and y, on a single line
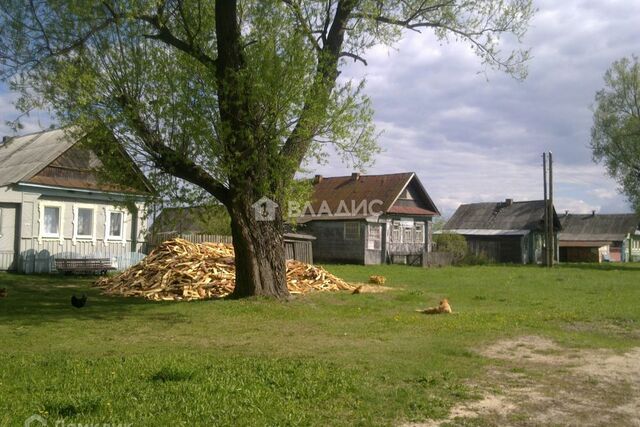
[(323, 359)]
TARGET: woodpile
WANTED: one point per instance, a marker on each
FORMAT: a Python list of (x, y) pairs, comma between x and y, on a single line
[(181, 270)]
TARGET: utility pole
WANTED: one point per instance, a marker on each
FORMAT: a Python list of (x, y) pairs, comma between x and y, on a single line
[(552, 240), (545, 259), (547, 180)]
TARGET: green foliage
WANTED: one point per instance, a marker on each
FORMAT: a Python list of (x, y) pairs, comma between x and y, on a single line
[(474, 259), (452, 243), (615, 134), (231, 115)]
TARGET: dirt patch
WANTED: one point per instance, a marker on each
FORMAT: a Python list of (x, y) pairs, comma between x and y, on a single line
[(538, 382)]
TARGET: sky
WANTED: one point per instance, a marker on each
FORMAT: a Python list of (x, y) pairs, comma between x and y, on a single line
[(474, 136)]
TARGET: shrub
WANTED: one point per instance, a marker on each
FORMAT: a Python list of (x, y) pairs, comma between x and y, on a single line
[(474, 259), (452, 243)]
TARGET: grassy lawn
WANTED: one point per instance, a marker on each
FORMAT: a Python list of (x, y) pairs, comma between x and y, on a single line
[(323, 359)]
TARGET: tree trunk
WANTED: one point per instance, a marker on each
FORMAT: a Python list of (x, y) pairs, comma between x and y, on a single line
[(259, 249)]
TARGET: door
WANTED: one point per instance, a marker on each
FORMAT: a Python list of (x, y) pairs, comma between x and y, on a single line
[(8, 236)]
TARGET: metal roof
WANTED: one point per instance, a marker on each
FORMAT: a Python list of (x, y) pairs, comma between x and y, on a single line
[(484, 232), (347, 194), (22, 157), (55, 159)]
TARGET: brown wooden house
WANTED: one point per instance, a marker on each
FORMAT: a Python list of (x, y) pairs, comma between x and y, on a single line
[(369, 219)]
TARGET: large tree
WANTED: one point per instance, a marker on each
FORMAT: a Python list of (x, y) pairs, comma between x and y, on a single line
[(230, 97), (615, 134)]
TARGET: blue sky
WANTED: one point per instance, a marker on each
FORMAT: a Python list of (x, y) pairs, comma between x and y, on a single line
[(474, 136)]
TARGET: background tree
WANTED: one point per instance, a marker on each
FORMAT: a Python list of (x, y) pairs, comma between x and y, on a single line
[(615, 135), (229, 98)]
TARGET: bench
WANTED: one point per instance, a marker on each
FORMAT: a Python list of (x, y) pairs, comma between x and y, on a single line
[(84, 265)]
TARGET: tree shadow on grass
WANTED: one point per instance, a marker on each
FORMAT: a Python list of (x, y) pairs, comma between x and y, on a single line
[(36, 299)]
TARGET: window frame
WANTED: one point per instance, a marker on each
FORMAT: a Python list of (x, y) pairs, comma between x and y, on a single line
[(76, 221), (107, 226), (42, 234), (351, 236), (374, 240), (416, 226)]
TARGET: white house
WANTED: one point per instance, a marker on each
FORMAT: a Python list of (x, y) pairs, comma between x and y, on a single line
[(52, 204)]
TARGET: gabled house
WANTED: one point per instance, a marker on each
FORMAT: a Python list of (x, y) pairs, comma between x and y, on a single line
[(369, 219), (596, 238), (509, 232), (53, 204)]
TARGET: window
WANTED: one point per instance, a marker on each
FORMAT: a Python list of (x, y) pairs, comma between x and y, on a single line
[(115, 225), (51, 224), (419, 233), (351, 231), (374, 236), (396, 236), (407, 235), (84, 223)]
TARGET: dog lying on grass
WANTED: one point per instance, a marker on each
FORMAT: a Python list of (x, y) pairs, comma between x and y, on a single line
[(444, 307)]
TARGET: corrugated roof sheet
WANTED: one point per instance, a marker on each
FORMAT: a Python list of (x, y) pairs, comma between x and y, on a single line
[(601, 227), (22, 157), (528, 215), (476, 232), (52, 158)]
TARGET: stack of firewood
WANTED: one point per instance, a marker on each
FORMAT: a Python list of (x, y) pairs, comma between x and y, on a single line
[(181, 270)]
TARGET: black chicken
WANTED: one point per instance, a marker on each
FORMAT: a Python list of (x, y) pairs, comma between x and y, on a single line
[(78, 302)]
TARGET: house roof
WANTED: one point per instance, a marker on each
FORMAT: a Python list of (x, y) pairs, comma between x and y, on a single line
[(52, 158), (350, 192), (601, 227), (503, 216), (22, 157)]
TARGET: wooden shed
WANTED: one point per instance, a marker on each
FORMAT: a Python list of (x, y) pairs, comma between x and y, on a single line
[(595, 237), (509, 232)]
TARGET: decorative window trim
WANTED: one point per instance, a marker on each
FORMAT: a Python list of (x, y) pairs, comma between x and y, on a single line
[(107, 222), (419, 230), (41, 234), (76, 216)]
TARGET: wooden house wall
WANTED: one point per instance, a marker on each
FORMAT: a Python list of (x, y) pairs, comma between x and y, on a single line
[(501, 249), (330, 245), (36, 254)]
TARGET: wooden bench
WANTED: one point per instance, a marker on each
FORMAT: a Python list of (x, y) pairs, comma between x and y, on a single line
[(84, 265)]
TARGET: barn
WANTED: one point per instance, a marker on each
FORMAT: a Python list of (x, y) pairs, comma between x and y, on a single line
[(602, 237), (505, 232)]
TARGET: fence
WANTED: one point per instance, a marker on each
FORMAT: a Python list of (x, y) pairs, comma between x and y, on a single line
[(297, 248), (438, 259)]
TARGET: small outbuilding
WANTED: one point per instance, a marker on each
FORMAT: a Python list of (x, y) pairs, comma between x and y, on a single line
[(506, 232), (599, 237)]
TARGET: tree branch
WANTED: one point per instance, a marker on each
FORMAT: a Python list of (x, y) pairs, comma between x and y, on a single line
[(165, 35), (167, 158)]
